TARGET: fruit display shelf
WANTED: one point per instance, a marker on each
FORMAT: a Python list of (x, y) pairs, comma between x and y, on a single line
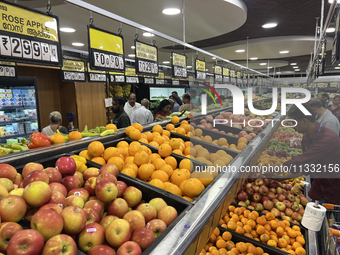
[(148, 192)]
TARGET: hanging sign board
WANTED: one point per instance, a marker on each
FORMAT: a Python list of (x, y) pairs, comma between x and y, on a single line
[(95, 76), (218, 73), (29, 36), (249, 80), (130, 75), (73, 70), (238, 80), (296, 85), (175, 82), (179, 65), (106, 50), (244, 79), (191, 80), (160, 78), (146, 58), (334, 84), (226, 78), (232, 77), (8, 69), (200, 70), (211, 81), (116, 77), (149, 80), (322, 85)]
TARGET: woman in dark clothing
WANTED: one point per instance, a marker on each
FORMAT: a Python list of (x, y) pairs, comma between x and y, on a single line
[(335, 107), (163, 110)]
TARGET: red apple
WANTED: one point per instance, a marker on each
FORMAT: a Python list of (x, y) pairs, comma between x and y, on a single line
[(12, 208), (106, 191), (28, 242), (74, 219), (90, 185), (80, 177), (158, 203), (143, 237), (90, 172), (93, 234), (106, 177), (7, 183), (96, 205), (75, 200), (83, 193), (118, 232), (107, 220), (132, 196), (18, 179), (148, 211), (53, 174), (109, 168), (36, 194), (129, 248), (167, 214), (60, 245), (52, 206), (59, 199), (121, 188), (157, 227), (102, 250), (7, 231), (92, 216), (118, 208), (29, 214), (48, 223), (8, 171), (66, 166), (71, 182), (30, 167), (55, 186), (136, 219)]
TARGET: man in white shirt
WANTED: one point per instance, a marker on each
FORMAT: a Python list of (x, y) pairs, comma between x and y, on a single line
[(142, 115), (131, 105)]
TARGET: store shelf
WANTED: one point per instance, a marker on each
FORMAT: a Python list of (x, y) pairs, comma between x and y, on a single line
[(18, 106), (16, 121), (12, 136)]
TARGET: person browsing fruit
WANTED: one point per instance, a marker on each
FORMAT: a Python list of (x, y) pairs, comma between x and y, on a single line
[(321, 150), (176, 105), (195, 99), (187, 106), (142, 115), (176, 98), (162, 110), (325, 99), (121, 119), (55, 124), (131, 105), (335, 107)]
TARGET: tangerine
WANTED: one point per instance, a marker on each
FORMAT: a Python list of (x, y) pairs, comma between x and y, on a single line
[(171, 161), (192, 187), (117, 161), (178, 177), (129, 172), (174, 120), (57, 139), (110, 127), (145, 171), (134, 148), (164, 150), (186, 164), (133, 166), (128, 129), (158, 163), (74, 135), (135, 134), (95, 149), (168, 169), (157, 128), (157, 183), (85, 154), (111, 152), (122, 144), (159, 140), (272, 243), (141, 158), (160, 175), (300, 251), (282, 243), (138, 126), (99, 160), (172, 188), (170, 127), (180, 131)]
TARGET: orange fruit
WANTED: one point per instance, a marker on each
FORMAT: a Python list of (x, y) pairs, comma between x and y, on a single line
[(146, 149), (188, 198), (242, 140), (251, 249), (296, 245), (158, 163), (149, 136), (300, 251), (241, 146), (143, 140), (186, 164), (135, 134), (74, 135), (270, 216), (144, 172), (292, 233), (175, 143), (168, 169), (122, 144), (282, 243), (186, 171), (172, 188), (134, 148), (166, 133), (272, 243), (170, 127), (259, 250), (129, 159), (111, 126), (226, 236), (133, 166), (180, 131), (177, 151), (154, 156), (279, 231), (232, 225), (273, 224), (122, 151), (95, 149), (117, 161), (174, 120), (129, 172), (138, 126), (85, 154), (260, 229), (99, 160), (164, 150), (159, 140), (239, 230), (192, 187), (261, 221), (160, 175), (141, 158), (178, 177), (111, 152), (157, 128), (171, 161), (221, 244), (57, 139), (157, 183), (241, 246), (301, 240)]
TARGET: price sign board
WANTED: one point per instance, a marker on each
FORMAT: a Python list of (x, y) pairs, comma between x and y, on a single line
[(160, 79), (130, 75), (29, 36), (8, 69), (211, 81), (146, 58), (296, 85), (116, 77), (244, 79), (73, 70), (218, 73), (179, 65), (226, 75), (175, 81), (200, 69), (322, 85), (95, 76), (334, 84), (106, 50), (191, 80), (149, 80)]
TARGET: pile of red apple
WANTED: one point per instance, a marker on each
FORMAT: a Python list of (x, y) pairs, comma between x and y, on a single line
[(281, 198), (68, 211)]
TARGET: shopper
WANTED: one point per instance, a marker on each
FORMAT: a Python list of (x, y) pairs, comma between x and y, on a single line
[(325, 98), (55, 124), (335, 107), (176, 98), (325, 116), (142, 115), (121, 119), (172, 102), (195, 99), (187, 106), (321, 150), (163, 110), (176, 105), (131, 105)]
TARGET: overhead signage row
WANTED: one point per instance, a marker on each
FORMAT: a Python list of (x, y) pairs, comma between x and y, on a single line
[(146, 58)]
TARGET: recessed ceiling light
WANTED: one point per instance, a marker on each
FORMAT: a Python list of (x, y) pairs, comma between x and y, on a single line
[(147, 34), (133, 47), (330, 30), (297, 70), (171, 11), (284, 52), (295, 67), (263, 64), (213, 58), (293, 64), (78, 44), (206, 69), (67, 30), (338, 67), (278, 72), (269, 25), (269, 67), (254, 58), (189, 66), (240, 51), (131, 55), (166, 62)]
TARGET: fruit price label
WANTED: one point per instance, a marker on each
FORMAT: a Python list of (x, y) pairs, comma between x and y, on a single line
[(146, 58), (200, 69), (117, 77), (179, 65), (106, 50), (334, 84), (8, 69), (160, 79), (130, 75), (226, 73), (149, 80), (175, 82), (218, 73), (29, 36), (95, 76), (296, 84), (73, 71), (191, 80)]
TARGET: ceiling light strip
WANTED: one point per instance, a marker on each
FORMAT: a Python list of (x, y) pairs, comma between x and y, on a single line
[(121, 19)]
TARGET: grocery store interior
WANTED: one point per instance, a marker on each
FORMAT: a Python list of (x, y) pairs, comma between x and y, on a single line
[(169, 127)]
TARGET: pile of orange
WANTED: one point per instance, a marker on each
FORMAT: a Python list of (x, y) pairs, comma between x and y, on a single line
[(222, 244), (265, 228)]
